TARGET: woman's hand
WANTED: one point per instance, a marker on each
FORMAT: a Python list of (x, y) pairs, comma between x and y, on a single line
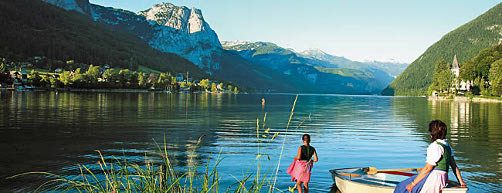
[(410, 186), (463, 184)]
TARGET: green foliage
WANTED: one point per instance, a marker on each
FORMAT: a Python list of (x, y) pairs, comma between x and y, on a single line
[(230, 87), (55, 83), (125, 76), (468, 71), (34, 78), (111, 77), (465, 42), (213, 87), (204, 84), (142, 80), (236, 90), (65, 78), (495, 77), (443, 78), (4, 73), (79, 79), (164, 81)]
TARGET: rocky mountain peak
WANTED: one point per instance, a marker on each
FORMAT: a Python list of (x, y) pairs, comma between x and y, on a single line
[(179, 17)]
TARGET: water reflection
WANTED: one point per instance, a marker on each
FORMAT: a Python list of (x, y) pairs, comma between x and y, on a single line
[(49, 131)]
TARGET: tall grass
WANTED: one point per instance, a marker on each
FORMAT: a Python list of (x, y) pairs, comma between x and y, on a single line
[(118, 175)]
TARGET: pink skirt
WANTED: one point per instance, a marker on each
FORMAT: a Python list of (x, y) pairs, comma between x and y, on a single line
[(300, 170)]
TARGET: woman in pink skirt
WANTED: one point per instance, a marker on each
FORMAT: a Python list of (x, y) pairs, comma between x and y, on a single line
[(302, 165)]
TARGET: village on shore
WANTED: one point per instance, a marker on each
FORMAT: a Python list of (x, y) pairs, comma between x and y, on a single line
[(23, 76)]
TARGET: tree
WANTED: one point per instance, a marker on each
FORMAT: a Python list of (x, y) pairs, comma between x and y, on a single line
[(134, 80), (220, 86), (446, 79), (78, 79), (230, 87), (34, 78), (163, 81), (111, 77), (213, 87), (65, 78), (125, 78), (152, 79), (443, 77), (4, 73), (92, 75), (468, 71), (204, 84), (495, 78), (142, 80), (235, 90), (55, 83)]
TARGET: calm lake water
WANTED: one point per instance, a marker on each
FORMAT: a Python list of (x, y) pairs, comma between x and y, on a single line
[(49, 131)]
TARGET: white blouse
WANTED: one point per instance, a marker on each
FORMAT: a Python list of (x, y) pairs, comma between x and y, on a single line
[(435, 151)]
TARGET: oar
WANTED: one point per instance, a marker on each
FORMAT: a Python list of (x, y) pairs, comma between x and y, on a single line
[(350, 175), (373, 170)]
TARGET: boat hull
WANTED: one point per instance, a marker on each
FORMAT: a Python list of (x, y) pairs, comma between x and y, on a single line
[(369, 183)]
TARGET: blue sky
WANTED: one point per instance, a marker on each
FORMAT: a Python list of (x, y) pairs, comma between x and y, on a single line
[(383, 30)]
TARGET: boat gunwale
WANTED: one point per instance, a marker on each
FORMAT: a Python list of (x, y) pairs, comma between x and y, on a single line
[(337, 175)]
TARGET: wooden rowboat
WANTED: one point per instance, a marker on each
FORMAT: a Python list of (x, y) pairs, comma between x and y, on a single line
[(365, 180)]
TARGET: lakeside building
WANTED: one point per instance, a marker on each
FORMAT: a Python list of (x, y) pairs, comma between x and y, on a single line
[(459, 85)]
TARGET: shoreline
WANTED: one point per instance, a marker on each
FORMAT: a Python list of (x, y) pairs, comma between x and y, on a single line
[(465, 99), (79, 90)]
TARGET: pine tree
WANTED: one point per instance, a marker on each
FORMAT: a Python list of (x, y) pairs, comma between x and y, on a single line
[(4, 73)]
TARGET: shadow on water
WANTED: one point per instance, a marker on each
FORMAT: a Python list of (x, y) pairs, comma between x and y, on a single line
[(334, 189)]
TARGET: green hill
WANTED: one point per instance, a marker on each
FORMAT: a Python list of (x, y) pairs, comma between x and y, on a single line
[(465, 42), (31, 28)]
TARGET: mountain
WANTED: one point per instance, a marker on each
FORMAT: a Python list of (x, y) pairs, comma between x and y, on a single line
[(81, 6), (465, 42), (32, 28), (329, 61), (326, 72), (168, 28), (183, 31)]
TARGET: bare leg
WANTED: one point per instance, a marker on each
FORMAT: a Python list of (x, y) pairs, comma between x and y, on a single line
[(299, 186), (306, 187)]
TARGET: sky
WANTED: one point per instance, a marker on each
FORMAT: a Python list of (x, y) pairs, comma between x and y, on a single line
[(383, 30)]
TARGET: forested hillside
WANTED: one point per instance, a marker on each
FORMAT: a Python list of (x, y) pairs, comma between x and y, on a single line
[(465, 42), (31, 28)]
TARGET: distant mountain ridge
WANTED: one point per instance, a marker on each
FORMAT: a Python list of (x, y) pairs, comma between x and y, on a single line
[(465, 42), (315, 66)]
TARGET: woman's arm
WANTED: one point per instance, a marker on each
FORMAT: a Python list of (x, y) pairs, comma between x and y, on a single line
[(456, 171), (299, 153), (315, 156), (427, 168)]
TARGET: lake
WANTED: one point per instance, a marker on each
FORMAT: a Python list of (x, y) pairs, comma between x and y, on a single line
[(55, 131)]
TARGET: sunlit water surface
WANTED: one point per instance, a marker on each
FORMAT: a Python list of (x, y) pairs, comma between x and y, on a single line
[(49, 131)]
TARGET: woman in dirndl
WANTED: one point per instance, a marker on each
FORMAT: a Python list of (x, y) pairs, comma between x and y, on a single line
[(302, 165), (434, 175)]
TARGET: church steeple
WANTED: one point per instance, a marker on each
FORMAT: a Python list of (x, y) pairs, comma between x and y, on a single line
[(454, 65)]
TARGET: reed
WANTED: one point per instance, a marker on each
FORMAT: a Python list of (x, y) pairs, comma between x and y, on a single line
[(118, 175)]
